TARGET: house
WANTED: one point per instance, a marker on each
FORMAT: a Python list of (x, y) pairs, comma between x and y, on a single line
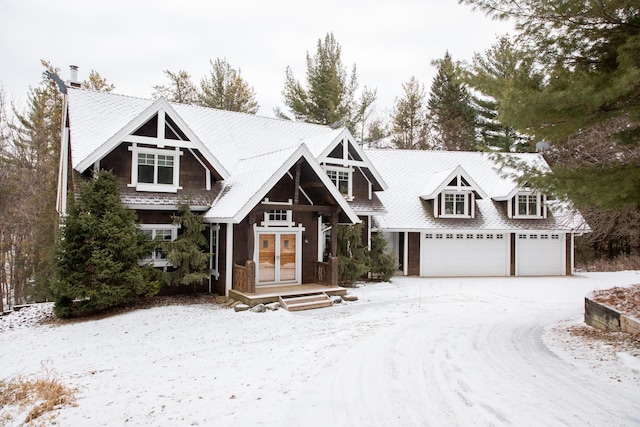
[(460, 214), (270, 191)]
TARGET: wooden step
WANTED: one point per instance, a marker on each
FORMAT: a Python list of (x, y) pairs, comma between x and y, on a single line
[(305, 302)]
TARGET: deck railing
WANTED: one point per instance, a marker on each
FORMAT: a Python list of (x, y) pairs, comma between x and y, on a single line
[(244, 277), (327, 272)]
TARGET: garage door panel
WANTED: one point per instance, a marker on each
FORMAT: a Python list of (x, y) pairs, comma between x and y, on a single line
[(540, 254), (463, 254)]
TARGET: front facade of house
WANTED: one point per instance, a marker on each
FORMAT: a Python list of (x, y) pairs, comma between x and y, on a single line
[(272, 193)]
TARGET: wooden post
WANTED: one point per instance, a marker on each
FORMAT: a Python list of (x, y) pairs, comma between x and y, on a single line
[(334, 234), (333, 271), (251, 276), (296, 193)]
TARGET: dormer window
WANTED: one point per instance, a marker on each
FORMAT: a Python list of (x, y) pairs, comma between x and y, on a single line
[(455, 204), (342, 179), (528, 204)]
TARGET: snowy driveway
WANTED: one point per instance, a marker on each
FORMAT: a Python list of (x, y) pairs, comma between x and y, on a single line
[(475, 354), (413, 352)]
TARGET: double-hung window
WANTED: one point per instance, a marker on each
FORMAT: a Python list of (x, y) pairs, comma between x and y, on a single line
[(456, 204), (528, 205), (161, 233)]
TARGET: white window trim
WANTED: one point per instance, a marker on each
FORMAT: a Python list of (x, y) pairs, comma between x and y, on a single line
[(540, 209), (468, 205), (214, 241), (155, 227), (268, 222), (349, 171), (163, 188)]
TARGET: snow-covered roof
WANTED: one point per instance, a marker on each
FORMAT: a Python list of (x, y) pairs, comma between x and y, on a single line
[(95, 117), (409, 172)]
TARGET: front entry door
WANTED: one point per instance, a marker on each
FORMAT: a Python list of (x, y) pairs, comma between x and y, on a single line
[(277, 257)]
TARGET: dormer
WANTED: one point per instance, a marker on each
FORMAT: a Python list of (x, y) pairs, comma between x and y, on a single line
[(524, 203), (453, 193)]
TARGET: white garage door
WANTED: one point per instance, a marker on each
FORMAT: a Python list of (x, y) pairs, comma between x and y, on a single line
[(464, 254), (540, 254)]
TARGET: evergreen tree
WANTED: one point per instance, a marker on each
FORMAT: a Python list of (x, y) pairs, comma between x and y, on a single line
[(451, 112), (97, 82), (329, 93), (187, 253), (353, 257), (225, 89), (98, 252), (381, 263), (363, 112), (180, 88), (493, 74), (409, 117)]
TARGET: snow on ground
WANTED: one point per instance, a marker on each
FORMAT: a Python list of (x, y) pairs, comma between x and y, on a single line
[(415, 351)]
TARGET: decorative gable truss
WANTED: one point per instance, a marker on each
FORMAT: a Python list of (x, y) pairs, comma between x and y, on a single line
[(453, 193), (342, 160), (158, 139)]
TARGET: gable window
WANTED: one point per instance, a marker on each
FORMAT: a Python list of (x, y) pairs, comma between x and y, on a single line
[(155, 169), (341, 178), (278, 218)]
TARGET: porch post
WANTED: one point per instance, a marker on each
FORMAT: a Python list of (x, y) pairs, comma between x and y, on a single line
[(333, 271), (334, 233), (228, 279)]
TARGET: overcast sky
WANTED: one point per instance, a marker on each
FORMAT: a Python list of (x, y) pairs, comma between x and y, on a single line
[(131, 42)]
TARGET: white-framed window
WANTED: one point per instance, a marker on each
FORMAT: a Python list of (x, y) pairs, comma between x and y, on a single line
[(163, 233), (155, 169), (456, 204), (528, 205), (342, 178), (278, 218)]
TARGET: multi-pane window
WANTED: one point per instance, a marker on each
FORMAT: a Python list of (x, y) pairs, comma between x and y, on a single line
[(278, 217), (340, 179), (455, 204), (160, 234), (155, 168), (528, 205)]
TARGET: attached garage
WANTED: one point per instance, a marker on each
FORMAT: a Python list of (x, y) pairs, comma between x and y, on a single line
[(464, 254), (540, 254)]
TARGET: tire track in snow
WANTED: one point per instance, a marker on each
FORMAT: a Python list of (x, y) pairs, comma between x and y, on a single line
[(467, 361)]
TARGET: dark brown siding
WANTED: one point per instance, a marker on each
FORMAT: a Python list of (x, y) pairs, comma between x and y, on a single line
[(413, 266), (119, 161), (360, 186), (155, 217), (192, 173), (512, 252), (309, 221)]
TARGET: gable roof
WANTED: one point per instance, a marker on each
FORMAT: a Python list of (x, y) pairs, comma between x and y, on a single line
[(252, 178), (407, 210), (98, 118), (151, 110), (441, 179)]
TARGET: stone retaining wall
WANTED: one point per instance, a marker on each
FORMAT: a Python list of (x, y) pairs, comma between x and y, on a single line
[(606, 318)]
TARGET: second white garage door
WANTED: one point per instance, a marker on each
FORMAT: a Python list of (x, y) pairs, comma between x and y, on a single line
[(540, 254), (464, 254)]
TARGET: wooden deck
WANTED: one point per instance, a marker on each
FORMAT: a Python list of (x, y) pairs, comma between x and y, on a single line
[(267, 294)]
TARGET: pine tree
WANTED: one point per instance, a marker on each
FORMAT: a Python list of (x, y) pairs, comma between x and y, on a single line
[(381, 263), (97, 82), (186, 253), (493, 74), (329, 93), (452, 115), (409, 117), (99, 251), (180, 88), (225, 89), (353, 257)]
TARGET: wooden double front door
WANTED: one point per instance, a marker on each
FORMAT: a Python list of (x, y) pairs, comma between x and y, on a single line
[(278, 258)]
